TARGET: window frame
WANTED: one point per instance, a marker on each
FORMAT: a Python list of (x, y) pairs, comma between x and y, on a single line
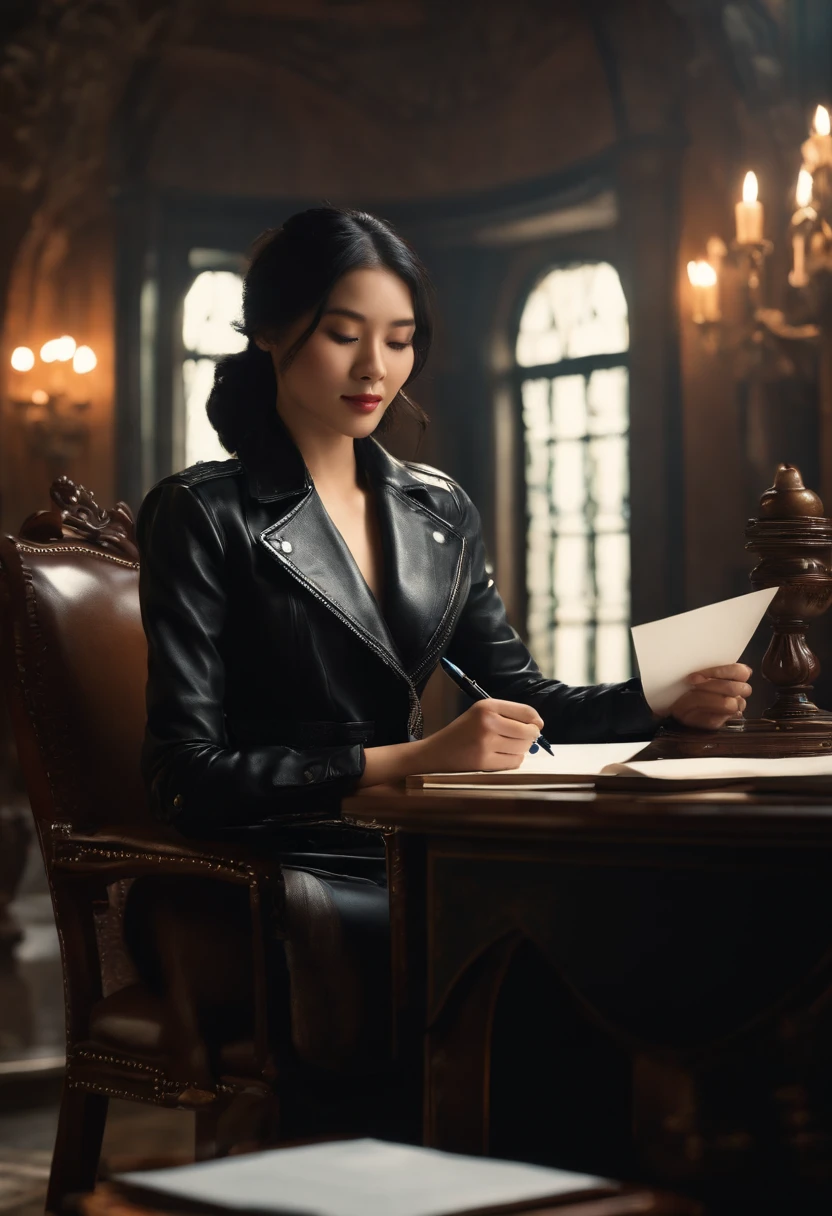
[(517, 375), (223, 262)]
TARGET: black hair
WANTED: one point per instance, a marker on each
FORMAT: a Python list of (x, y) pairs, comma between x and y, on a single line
[(292, 272)]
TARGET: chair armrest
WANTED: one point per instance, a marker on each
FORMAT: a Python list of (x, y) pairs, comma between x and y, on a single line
[(83, 865)]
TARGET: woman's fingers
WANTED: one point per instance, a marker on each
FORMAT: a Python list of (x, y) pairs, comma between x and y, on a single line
[(514, 711), (715, 695), (709, 702), (732, 671), (509, 728), (727, 688)]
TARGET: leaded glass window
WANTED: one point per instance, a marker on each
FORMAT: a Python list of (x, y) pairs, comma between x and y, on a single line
[(572, 362), (213, 301)]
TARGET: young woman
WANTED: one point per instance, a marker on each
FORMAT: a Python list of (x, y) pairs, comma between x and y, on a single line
[(297, 597)]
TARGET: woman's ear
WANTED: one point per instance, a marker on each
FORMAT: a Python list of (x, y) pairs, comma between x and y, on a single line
[(263, 344)]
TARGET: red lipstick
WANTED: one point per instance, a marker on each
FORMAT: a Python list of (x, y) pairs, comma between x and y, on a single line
[(365, 403)]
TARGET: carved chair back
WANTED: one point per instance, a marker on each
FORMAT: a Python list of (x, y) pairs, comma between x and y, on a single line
[(78, 665)]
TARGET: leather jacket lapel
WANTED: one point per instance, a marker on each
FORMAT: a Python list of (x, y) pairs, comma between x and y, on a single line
[(423, 559), (310, 548), (423, 555)]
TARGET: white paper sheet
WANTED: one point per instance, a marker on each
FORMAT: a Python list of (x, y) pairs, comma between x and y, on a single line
[(729, 767), (572, 759), (361, 1178), (671, 649)]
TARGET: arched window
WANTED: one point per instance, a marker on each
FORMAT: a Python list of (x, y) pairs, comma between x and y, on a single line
[(572, 362), (213, 301)]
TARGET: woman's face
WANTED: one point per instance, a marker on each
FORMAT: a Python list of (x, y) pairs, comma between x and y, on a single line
[(346, 374)]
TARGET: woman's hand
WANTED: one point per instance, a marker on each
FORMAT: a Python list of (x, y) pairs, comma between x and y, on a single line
[(715, 696), (490, 735)]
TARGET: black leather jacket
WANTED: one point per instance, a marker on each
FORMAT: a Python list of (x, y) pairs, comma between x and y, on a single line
[(271, 666)]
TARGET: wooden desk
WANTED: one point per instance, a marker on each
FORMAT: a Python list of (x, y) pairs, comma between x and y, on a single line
[(688, 938)]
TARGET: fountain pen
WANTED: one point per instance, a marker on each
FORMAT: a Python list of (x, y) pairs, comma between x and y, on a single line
[(472, 688)]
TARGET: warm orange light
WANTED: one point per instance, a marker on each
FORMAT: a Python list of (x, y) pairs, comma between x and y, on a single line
[(39, 397), (805, 184), (749, 188), (821, 121), (23, 359), (84, 360), (65, 348), (58, 350), (701, 274)]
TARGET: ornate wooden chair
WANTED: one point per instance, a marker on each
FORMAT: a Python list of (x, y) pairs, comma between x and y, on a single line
[(73, 655)]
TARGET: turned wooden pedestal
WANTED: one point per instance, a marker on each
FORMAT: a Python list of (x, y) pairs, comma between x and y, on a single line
[(793, 539)]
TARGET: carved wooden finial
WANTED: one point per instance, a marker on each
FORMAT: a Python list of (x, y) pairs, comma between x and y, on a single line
[(76, 516), (788, 498)]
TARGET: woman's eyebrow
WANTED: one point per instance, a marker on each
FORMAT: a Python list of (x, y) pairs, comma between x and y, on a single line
[(357, 316)]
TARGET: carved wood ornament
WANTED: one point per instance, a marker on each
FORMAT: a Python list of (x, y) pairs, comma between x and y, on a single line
[(793, 540), (76, 516)]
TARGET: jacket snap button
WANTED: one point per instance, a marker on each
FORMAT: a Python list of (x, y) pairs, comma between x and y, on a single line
[(286, 546), (438, 536), (177, 800)]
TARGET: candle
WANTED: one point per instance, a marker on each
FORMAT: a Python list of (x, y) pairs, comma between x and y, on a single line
[(749, 213), (705, 283), (817, 150), (798, 276), (805, 186)]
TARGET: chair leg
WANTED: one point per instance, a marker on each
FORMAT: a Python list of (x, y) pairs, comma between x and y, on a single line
[(77, 1146), (245, 1122)]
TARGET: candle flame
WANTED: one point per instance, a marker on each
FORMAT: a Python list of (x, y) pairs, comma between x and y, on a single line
[(23, 359), (84, 360), (821, 121), (701, 274), (803, 193), (749, 188)]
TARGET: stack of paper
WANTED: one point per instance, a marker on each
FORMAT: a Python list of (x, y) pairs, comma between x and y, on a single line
[(362, 1178)]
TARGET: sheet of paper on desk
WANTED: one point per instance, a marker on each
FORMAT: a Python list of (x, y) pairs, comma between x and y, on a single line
[(361, 1178), (729, 768), (569, 760), (675, 647)]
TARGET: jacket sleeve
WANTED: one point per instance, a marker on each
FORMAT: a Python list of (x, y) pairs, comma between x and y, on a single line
[(193, 777), (489, 650)]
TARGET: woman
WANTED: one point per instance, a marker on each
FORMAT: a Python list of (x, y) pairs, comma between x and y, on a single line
[(297, 598)]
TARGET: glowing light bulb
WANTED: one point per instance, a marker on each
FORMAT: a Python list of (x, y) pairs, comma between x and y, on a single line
[(23, 359), (701, 274), (749, 187), (65, 348), (39, 397), (803, 193), (704, 280), (84, 360), (821, 122), (49, 350)]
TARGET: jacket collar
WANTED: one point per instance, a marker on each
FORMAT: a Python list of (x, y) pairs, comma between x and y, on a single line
[(274, 468), (423, 554)]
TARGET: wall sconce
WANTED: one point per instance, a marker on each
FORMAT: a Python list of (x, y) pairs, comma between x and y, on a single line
[(760, 337), (56, 427), (769, 343)]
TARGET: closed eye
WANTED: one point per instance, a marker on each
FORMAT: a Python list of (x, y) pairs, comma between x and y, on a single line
[(344, 340)]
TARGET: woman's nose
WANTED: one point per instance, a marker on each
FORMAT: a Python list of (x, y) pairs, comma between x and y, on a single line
[(370, 364)]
